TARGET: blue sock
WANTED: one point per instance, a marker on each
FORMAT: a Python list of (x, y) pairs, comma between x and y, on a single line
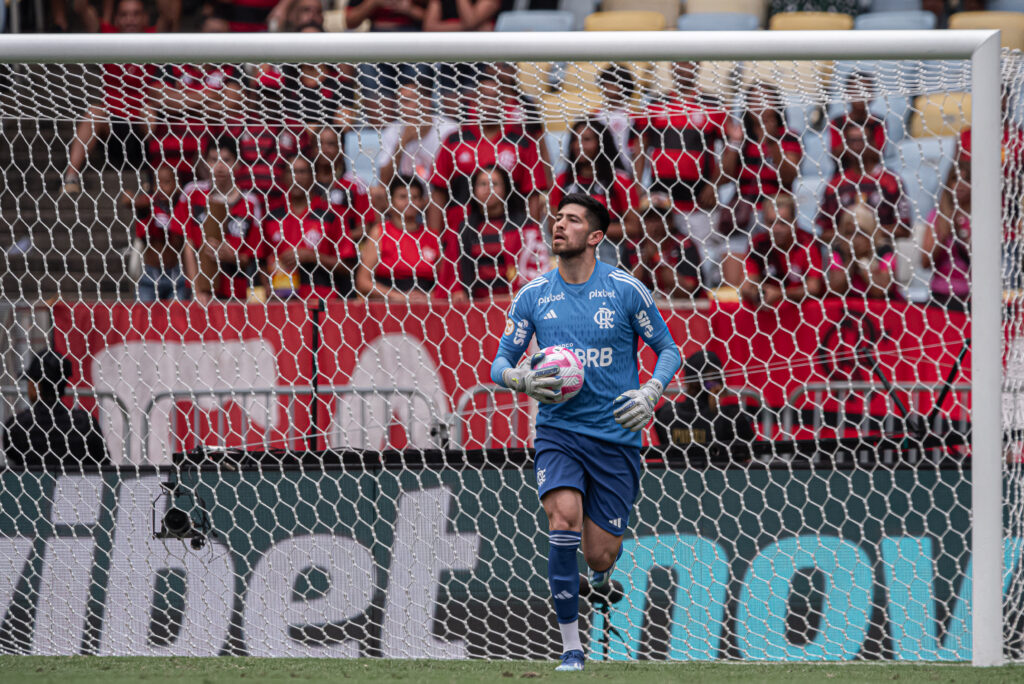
[(564, 574)]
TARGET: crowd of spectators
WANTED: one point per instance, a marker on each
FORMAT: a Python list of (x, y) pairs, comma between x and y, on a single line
[(267, 205)]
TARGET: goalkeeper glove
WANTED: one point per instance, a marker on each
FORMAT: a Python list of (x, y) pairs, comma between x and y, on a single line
[(634, 408), (541, 385)]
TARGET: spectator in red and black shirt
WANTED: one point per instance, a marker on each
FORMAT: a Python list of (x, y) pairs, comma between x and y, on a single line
[(125, 89), (668, 266), (489, 248), (859, 89), (679, 135), (222, 225), (308, 238), (867, 181), (785, 262), (162, 277), (188, 97), (595, 169), (762, 157), (386, 15), (398, 260), (863, 261), (481, 144)]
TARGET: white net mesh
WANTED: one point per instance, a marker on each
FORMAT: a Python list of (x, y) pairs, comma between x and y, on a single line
[(279, 288)]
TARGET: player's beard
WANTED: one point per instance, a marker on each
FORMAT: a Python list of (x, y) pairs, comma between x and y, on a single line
[(569, 250)]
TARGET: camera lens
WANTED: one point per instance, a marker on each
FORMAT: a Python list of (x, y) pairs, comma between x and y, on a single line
[(177, 522)]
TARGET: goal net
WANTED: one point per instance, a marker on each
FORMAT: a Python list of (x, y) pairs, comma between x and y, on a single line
[(249, 311)]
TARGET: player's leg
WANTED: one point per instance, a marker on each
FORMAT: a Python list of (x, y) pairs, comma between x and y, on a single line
[(93, 127), (560, 484), (613, 482), (601, 550), (564, 508)]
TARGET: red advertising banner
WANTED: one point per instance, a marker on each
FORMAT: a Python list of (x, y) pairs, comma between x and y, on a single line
[(391, 375)]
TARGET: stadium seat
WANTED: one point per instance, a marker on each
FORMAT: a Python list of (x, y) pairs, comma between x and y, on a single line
[(1010, 23), (810, 21), (535, 20), (887, 6), (624, 21), (1005, 5), (759, 8), (817, 159), (718, 21), (895, 21), (923, 164), (808, 191), (666, 8), (941, 114), (361, 153), (580, 10)]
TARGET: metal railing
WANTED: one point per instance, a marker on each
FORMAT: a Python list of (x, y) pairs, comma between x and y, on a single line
[(865, 392), (460, 416), (100, 397), (438, 426), (765, 416)]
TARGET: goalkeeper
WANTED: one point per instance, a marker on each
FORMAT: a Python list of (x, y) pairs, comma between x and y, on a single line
[(587, 449)]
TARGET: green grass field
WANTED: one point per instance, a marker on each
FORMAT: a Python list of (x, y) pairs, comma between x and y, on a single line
[(90, 670)]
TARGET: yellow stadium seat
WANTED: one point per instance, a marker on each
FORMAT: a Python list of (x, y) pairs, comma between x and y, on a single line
[(940, 114), (794, 79), (810, 21), (624, 21), (535, 77), (1010, 23), (560, 109), (756, 7), (666, 8)]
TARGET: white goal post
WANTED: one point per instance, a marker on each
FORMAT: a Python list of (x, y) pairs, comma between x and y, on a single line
[(982, 48)]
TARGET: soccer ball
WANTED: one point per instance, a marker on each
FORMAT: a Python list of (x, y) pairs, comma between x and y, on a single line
[(570, 370)]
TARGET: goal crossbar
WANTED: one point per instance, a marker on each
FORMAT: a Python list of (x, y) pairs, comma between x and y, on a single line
[(547, 46)]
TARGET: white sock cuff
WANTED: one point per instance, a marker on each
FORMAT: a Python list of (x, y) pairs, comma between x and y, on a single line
[(570, 636)]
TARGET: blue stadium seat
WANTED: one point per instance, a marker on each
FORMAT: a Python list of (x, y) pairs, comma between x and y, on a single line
[(535, 20), (817, 159), (885, 6), (718, 21), (1005, 6), (895, 21), (923, 164), (808, 191), (361, 153)]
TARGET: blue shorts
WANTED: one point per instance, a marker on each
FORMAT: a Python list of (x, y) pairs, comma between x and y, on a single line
[(606, 473)]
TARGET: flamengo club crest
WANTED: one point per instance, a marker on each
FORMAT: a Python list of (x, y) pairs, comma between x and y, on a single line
[(604, 318)]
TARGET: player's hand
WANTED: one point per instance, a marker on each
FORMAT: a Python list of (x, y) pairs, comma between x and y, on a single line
[(635, 408), (542, 385)]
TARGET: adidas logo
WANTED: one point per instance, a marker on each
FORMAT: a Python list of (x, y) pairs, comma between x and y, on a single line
[(550, 314), (615, 522), (563, 595)]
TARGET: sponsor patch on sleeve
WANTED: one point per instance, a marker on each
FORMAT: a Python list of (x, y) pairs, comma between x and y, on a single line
[(509, 326)]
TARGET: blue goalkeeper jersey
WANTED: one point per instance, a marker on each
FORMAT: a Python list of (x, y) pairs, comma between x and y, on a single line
[(601, 321)]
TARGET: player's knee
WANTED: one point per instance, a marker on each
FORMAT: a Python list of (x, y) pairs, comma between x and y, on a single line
[(599, 559), (559, 520)]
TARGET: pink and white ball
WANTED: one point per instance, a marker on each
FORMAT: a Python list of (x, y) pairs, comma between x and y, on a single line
[(570, 370)]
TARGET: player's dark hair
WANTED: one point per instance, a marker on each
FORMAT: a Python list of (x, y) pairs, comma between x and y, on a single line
[(772, 102), (515, 210), (50, 372), (224, 142), (597, 213), (619, 75), (401, 180), (607, 161)]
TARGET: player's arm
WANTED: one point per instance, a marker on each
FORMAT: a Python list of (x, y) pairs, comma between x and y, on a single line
[(635, 408), (541, 385)]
